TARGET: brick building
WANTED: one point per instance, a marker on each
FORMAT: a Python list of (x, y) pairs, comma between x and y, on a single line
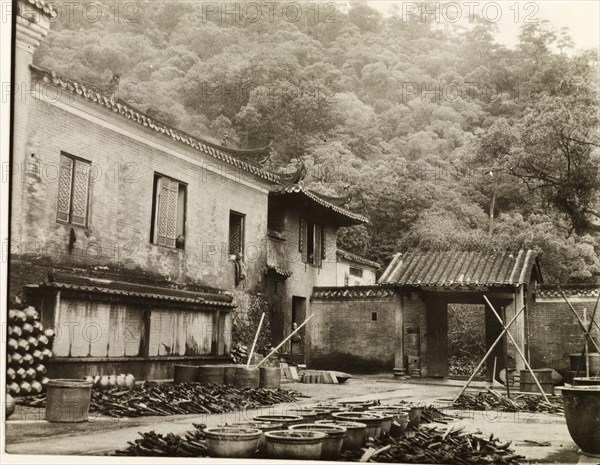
[(145, 247), (142, 245), (354, 270), (401, 324)]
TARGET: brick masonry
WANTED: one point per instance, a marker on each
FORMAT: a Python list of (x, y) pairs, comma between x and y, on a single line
[(344, 337), (120, 213), (554, 333), (304, 276)]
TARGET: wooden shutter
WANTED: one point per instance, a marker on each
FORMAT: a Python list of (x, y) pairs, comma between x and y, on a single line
[(65, 183), (301, 235), (303, 239), (317, 244), (80, 192), (323, 241), (167, 212)]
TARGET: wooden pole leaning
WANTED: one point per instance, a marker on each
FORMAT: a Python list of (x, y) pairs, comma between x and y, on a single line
[(585, 347), (255, 339), (488, 353), (284, 341), (587, 333), (518, 350)]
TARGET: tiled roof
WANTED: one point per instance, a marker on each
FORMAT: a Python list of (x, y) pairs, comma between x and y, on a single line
[(356, 258), (299, 189), (224, 154), (351, 292), (44, 6), (434, 269), (280, 271), (550, 291), (125, 289)]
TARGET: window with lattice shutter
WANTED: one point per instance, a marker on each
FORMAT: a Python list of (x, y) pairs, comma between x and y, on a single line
[(65, 182), (73, 190), (323, 242), (301, 235), (236, 233), (317, 234), (81, 183), (168, 190)]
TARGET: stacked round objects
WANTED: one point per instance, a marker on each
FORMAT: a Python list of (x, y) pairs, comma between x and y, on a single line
[(28, 348), (111, 381)]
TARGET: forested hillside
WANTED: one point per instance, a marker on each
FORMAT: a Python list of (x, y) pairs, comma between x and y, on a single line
[(444, 138)]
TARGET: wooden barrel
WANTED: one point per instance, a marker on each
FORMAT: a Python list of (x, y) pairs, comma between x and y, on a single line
[(270, 377), (594, 364), (543, 375), (229, 372), (68, 400), (247, 377), (185, 374), (211, 374)]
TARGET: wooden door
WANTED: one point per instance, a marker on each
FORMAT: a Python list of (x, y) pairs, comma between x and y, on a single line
[(437, 339), (298, 317)]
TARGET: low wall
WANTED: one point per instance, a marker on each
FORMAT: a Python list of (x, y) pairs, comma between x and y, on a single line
[(353, 329), (554, 332)]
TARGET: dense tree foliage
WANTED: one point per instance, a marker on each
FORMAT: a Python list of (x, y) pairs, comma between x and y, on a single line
[(445, 138)]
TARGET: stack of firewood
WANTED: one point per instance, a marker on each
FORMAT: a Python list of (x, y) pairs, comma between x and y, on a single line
[(433, 445), (173, 399), (492, 400)]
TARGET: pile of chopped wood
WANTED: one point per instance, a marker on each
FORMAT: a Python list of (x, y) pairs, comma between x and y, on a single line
[(432, 445), (172, 399), (492, 400), (156, 445), (431, 414), (427, 445), (240, 353)]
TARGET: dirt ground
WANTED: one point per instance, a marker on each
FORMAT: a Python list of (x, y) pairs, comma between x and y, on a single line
[(28, 433)]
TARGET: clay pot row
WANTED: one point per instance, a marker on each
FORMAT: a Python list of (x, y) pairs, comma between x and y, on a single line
[(111, 381)]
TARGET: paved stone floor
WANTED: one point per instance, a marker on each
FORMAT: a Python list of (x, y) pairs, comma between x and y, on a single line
[(28, 433)]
